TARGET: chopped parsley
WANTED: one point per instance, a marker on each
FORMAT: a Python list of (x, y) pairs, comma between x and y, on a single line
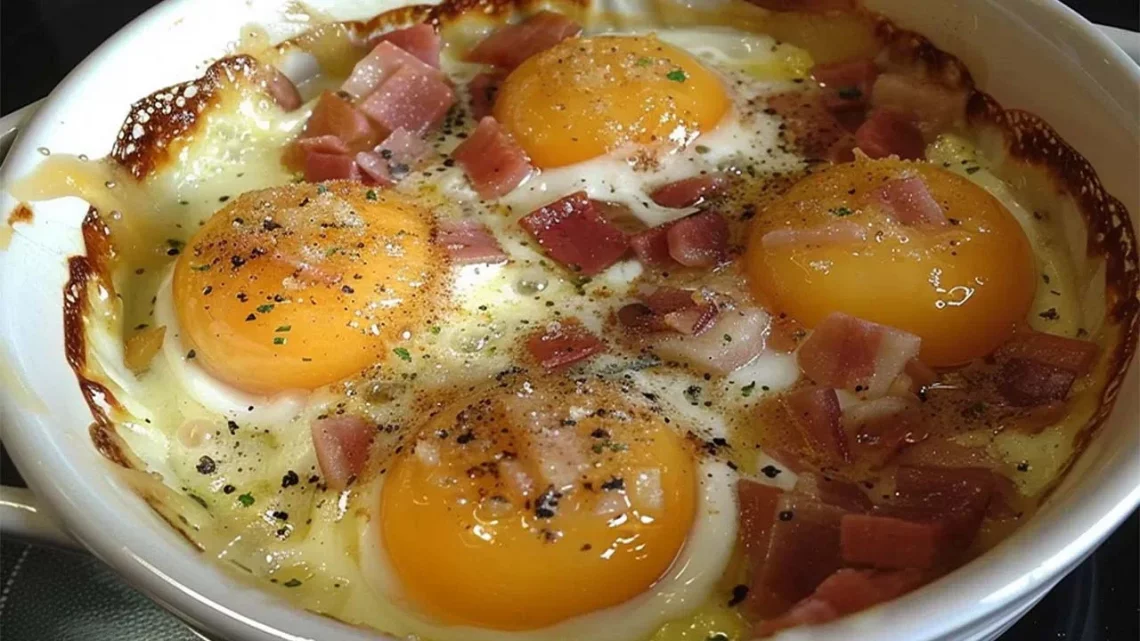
[(262, 309), (322, 189), (644, 62), (434, 329), (246, 499), (292, 583), (283, 328), (278, 340), (404, 354), (840, 212), (331, 250), (201, 268), (747, 390), (677, 75), (370, 194)]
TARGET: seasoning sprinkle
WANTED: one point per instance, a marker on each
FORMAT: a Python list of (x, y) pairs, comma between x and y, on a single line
[(677, 75), (246, 499), (404, 354)]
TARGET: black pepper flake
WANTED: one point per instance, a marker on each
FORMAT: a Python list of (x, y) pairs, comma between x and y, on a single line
[(229, 489), (292, 583), (348, 290), (615, 483), (270, 225), (465, 438), (233, 427), (546, 506), (280, 516), (251, 317), (586, 548), (191, 354), (786, 515), (206, 465), (600, 433), (739, 593), (771, 471), (290, 479), (1050, 314), (1023, 466)]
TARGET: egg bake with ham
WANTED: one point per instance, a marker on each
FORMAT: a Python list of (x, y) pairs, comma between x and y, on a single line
[(548, 325)]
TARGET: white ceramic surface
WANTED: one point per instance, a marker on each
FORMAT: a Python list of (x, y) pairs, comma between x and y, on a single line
[(1032, 54)]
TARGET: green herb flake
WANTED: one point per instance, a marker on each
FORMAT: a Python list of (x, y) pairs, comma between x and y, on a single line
[(677, 75), (728, 338), (283, 328), (322, 189), (644, 62), (262, 309), (747, 390), (331, 250), (371, 194), (435, 329), (201, 268), (702, 149), (278, 340), (404, 354), (246, 499), (840, 212), (292, 583)]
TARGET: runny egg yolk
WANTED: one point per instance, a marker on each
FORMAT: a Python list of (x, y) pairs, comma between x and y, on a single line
[(587, 96), (534, 501), (300, 286), (962, 287)]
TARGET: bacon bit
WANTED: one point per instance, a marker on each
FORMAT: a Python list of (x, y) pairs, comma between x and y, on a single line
[(562, 344), (815, 410), (468, 242), (420, 40), (326, 144), (1026, 383), (409, 99), (933, 107), (483, 89), (909, 202), (341, 444), (402, 147), (320, 167), (840, 232), (689, 192), (784, 333), (652, 246), (281, 89), (887, 133), (811, 127), (509, 46), (850, 353), (757, 516), (1069, 354), (494, 163), (572, 232), (956, 497), (334, 116), (833, 491), (669, 308), (847, 85), (700, 240), (845, 592), (889, 543), (711, 350), (882, 427), (381, 63), (374, 168)]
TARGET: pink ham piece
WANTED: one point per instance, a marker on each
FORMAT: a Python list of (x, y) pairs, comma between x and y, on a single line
[(890, 543), (381, 63), (846, 85), (408, 99), (562, 344), (670, 309), (700, 240), (909, 202), (572, 232), (334, 116), (326, 144), (320, 167), (815, 411), (883, 427), (1040, 368), (494, 164), (392, 159), (845, 592), (849, 353), (420, 40), (689, 192), (341, 444), (956, 498), (509, 46), (1069, 354), (733, 341), (652, 246), (757, 516), (468, 242), (840, 232), (374, 169), (483, 88), (810, 127), (281, 89), (931, 106), (887, 133)]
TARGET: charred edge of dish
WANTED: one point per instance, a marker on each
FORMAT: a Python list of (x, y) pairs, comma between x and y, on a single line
[(155, 123), (22, 214), (160, 509), (907, 48), (452, 10)]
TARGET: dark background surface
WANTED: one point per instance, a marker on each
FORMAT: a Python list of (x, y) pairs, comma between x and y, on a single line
[(41, 40)]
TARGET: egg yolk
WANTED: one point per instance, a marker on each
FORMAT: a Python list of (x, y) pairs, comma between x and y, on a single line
[(534, 501), (299, 286), (587, 96), (962, 287)]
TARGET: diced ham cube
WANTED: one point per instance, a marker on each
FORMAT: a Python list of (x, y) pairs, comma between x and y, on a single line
[(381, 63), (562, 344), (700, 240), (320, 167), (652, 246), (484, 88), (840, 232), (670, 309), (408, 99), (689, 192), (815, 411), (281, 89), (883, 427), (888, 133), (757, 516), (1070, 354), (572, 232), (909, 202), (326, 144), (334, 116), (833, 491), (402, 147), (509, 46), (420, 40), (468, 242), (933, 107), (845, 352), (1026, 383), (889, 543), (733, 341), (811, 128), (374, 169), (847, 85), (845, 592), (341, 444), (494, 163), (785, 333), (955, 497)]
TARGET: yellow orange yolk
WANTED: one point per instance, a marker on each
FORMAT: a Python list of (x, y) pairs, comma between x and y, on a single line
[(963, 287), (299, 286), (588, 96), (534, 501)]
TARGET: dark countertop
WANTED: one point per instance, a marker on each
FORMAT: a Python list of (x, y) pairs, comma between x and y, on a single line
[(41, 40)]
